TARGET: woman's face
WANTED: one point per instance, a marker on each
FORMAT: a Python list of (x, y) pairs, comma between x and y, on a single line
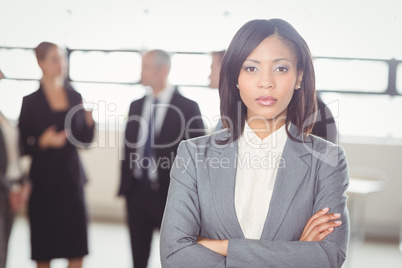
[(268, 79), (53, 64)]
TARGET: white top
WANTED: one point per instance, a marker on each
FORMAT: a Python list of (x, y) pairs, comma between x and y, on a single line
[(160, 109), (257, 167), (11, 140)]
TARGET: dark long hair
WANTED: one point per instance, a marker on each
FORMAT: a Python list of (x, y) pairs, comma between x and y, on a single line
[(303, 105)]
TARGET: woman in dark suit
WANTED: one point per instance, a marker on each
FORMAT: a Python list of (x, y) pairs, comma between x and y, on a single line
[(53, 124)]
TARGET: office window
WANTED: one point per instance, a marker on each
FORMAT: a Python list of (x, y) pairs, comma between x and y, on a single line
[(119, 67), (396, 126), (190, 69), (11, 94), (108, 100), (370, 116), (19, 63), (399, 78), (351, 75)]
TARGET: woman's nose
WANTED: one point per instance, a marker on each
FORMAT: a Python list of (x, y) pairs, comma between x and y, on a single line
[(266, 81)]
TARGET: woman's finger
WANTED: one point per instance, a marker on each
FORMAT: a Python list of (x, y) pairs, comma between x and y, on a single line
[(316, 215), (322, 219), (319, 232), (324, 234)]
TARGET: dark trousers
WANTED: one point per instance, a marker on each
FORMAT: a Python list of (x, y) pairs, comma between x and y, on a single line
[(6, 223), (144, 215)]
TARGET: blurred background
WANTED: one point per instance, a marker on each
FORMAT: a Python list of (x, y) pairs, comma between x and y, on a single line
[(357, 50)]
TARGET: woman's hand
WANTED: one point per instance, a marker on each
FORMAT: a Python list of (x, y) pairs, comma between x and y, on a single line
[(88, 113), (216, 245), (50, 138), (18, 196), (320, 225)]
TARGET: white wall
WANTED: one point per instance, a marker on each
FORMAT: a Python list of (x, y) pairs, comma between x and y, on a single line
[(383, 210), (102, 167)]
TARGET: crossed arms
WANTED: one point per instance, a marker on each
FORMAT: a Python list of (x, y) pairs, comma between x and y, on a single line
[(323, 242)]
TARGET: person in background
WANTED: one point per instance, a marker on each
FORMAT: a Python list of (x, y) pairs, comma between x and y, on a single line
[(325, 126), (14, 184), (263, 192), (216, 65), (150, 149), (52, 125)]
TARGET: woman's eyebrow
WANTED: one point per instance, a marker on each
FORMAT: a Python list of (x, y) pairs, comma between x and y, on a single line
[(256, 61), (275, 60), (283, 59)]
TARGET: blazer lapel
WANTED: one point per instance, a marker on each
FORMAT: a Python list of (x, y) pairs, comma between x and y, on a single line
[(133, 127), (169, 116), (222, 177), (296, 165)]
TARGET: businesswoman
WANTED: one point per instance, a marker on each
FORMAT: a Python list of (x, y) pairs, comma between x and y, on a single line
[(263, 192), (52, 123)]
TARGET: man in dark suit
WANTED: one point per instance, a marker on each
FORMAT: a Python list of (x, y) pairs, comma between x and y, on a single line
[(156, 125)]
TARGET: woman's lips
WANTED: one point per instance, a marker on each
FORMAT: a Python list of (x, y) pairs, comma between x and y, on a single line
[(266, 101)]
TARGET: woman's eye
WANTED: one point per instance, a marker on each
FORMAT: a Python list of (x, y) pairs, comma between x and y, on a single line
[(282, 69), (250, 69)]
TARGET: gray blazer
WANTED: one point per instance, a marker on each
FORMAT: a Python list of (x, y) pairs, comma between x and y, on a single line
[(201, 203)]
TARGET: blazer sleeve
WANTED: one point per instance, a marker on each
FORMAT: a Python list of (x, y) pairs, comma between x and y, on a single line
[(79, 127), (29, 139), (333, 180), (181, 220), (124, 165)]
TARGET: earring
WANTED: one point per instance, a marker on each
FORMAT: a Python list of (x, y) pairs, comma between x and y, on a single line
[(237, 85), (298, 87)]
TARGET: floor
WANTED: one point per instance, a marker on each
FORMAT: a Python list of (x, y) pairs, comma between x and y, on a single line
[(110, 248)]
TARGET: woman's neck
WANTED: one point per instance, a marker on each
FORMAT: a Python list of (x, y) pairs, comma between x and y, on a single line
[(56, 83), (263, 127)]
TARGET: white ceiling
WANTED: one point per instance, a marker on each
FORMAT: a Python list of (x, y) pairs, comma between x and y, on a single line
[(350, 28)]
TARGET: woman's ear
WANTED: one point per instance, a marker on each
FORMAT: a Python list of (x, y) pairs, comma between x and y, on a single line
[(40, 63), (299, 80)]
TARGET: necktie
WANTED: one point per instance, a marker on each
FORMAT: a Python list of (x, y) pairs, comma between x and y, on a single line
[(148, 150)]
